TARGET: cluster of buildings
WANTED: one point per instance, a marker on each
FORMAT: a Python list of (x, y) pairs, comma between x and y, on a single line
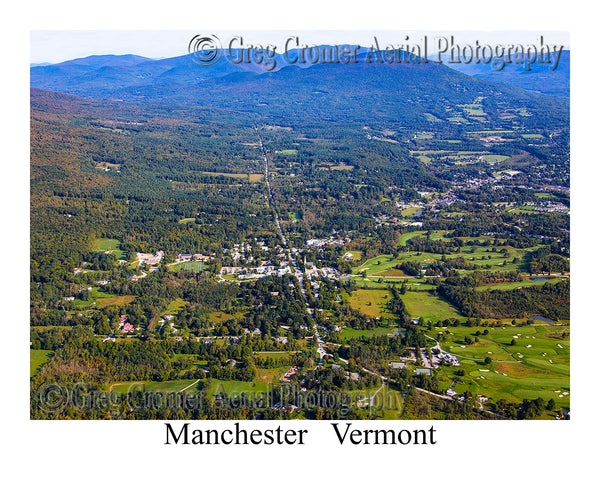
[(439, 356), (192, 257), (321, 242), (242, 252), (150, 258), (549, 207), (324, 272), (264, 270)]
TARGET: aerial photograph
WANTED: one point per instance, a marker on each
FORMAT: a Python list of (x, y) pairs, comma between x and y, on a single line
[(282, 227)]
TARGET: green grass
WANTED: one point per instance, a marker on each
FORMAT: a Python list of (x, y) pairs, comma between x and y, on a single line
[(37, 358), (350, 333), (385, 282), (111, 245), (410, 211), (175, 307), (371, 302), (378, 265), (217, 317), (103, 244), (516, 372), (276, 355), (524, 283), (405, 237), (117, 300), (435, 236), (251, 177), (474, 110), (429, 306), (166, 386), (194, 266), (532, 135), (234, 386), (356, 254), (196, 363), (423, 136), (50, 327)]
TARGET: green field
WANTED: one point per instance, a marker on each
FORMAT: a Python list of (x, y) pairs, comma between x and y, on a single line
[(376, 265), (429, 306), (116, 300), (175, 307), (109, 245), (423, 136), (190, 386), (481, 256), (405, 237), (524, 283), (537, 366), (434, 235), (385, 282), (37, 358), (194, 266), (263, 382), (532, 136), (102, 299), (371, 302), (493, 132), (410, 211), (350, 333), (356, 254), (251, 177), (217, 317)]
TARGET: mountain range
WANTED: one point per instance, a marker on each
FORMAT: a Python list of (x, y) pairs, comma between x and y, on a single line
[(102, 75), (541, 78), (400, 93)]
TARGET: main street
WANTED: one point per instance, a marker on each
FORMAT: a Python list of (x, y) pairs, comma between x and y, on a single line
[(299, 274)]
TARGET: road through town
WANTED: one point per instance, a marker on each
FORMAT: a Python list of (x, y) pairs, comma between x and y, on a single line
[(298, 273)]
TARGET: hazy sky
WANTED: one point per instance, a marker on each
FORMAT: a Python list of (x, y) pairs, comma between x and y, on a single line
[(57, 46)]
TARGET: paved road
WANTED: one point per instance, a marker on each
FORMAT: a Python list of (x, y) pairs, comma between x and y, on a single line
[(291, 256)]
